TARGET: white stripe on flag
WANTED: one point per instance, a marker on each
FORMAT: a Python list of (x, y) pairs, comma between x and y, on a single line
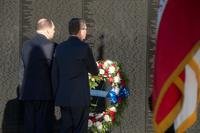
[(190, 94), (161, 8)]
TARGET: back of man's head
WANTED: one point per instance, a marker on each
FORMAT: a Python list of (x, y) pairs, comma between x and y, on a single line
[(75, 24), (43, 24), (46, 28)]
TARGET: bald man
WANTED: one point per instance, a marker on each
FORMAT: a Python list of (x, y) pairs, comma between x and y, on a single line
[(36, 88)]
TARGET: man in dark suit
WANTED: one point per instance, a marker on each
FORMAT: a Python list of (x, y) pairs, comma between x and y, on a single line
[(72, 63), (36, 87)]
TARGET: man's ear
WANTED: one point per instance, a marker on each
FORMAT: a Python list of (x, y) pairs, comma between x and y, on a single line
[(47, 31)]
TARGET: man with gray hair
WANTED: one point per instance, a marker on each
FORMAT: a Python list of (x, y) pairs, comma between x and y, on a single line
[(36, 88)]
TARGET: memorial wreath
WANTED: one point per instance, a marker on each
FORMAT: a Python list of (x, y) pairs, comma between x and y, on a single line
[(115, 93)]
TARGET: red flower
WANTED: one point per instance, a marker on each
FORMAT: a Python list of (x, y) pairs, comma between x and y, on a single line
[(114, 65), (110, 79), (99, 65), (106, 71), (92, 119), (112, 115)]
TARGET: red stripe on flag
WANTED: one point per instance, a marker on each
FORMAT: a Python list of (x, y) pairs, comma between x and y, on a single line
[(172, 96)]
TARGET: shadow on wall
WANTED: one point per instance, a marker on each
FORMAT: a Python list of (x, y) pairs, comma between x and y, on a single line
[(13, 116)]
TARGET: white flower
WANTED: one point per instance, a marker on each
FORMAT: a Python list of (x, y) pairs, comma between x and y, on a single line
[(117, 79), (113, 109), (107, 118), (99, 125), (89, 75), (107, 63), (111, 69), (105, 66), (92, 79), (99, 115), (101, 71), (116, 90), (90, 123), (91, 114)]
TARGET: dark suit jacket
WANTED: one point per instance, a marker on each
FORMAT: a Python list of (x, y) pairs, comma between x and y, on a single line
[(72, 63), (36, 57)]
